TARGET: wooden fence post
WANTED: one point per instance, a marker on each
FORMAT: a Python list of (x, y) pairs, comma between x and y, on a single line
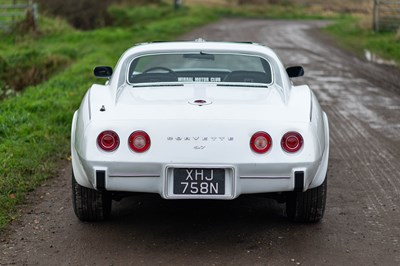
[(177, 4), (386, 15), (375, 21), (15, 10), (32, 11)]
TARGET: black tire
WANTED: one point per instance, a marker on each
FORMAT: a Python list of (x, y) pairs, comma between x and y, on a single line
[(308, 206), (89, 204)]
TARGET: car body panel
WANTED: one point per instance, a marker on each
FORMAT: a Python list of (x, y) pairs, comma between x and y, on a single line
[(213, 135)]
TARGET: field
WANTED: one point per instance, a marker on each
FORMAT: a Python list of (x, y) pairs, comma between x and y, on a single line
[(35, 123), (44, 74)]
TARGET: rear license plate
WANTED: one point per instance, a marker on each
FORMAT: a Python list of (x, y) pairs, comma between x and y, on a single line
[(197, 181)]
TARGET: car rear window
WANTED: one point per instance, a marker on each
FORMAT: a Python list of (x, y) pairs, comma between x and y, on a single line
[(199, 67)]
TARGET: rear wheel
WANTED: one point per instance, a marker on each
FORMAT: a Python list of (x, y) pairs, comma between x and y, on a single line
[(308, 206), (89, 204)]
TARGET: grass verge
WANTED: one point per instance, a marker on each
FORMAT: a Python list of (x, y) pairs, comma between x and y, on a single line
[(35, 125), (276, 12), (353, 34)]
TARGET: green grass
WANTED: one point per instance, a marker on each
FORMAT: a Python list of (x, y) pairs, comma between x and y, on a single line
[(352, 35), (141, 14), (274, 12), (35, 124)]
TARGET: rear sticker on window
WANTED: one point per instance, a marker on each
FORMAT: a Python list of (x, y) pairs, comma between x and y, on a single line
[(199, 79)]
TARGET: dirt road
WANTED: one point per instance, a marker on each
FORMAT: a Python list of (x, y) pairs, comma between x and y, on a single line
[(362, 220)]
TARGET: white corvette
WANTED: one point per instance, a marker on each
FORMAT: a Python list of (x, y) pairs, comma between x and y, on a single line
[(200, 120)]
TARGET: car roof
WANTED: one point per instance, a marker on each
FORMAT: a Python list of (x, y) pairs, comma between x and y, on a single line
[(201, 44)]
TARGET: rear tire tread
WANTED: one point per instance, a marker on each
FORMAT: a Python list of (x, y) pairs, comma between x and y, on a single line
[(308, 206), (89, 204)]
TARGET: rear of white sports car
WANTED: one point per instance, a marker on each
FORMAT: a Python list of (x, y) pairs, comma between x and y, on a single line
[(195, 134)]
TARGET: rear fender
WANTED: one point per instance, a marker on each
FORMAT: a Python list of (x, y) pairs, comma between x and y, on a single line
[(323, 168), (77, 168)]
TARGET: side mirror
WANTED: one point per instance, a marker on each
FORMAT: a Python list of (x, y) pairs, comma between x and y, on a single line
[(103, 71), (295, 71)]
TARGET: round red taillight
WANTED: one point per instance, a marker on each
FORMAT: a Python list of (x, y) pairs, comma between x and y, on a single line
[(139, 141), (260, 142), (292, 142), (108, 140)]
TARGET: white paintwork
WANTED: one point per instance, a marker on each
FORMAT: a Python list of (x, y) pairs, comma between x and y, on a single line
[(234, 115)]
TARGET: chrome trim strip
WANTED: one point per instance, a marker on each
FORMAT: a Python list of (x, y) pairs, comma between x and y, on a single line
[(89, 105), (311, 105), (264, 177), (134, 175)]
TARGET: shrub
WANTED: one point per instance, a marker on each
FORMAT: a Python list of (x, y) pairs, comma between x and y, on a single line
[(129, 16), (28, 68), (86, 14)]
